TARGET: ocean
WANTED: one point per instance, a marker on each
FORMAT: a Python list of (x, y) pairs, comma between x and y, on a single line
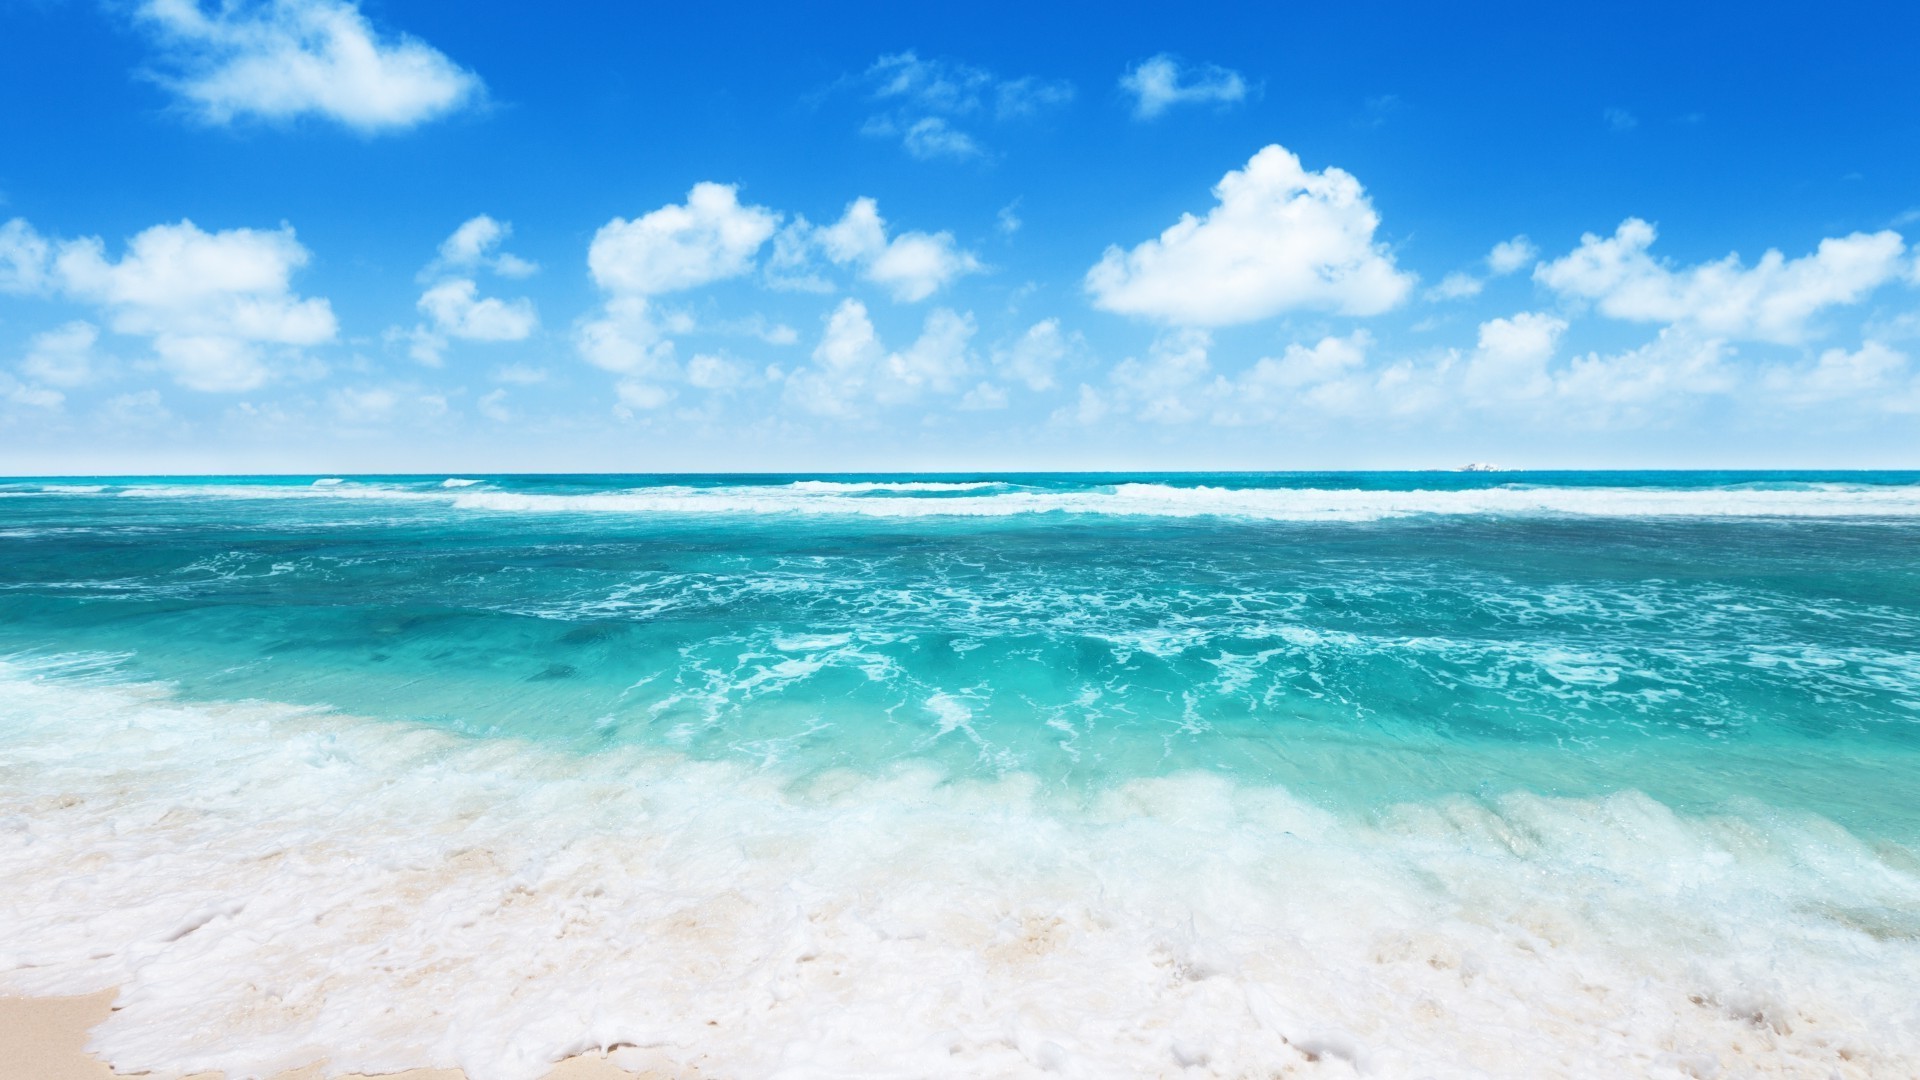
[(1391, 774)]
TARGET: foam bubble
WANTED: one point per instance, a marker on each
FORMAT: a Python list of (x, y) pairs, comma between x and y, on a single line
[(270, 885)]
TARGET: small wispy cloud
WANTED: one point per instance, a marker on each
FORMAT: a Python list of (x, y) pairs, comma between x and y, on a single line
[(930, 104), (1619, 119), (1161, 82)]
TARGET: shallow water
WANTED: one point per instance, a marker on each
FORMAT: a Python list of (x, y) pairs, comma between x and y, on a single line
[(1155, 773)]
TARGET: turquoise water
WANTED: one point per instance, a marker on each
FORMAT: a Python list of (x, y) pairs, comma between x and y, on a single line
[(1342, 636)]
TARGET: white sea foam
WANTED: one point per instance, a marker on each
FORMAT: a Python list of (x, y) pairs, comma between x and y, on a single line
[(1277, 504), (457, 482), (271, 885), (894, 485), (1142, 500)]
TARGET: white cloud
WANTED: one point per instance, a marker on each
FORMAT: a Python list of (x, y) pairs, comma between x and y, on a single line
[(923, 99), (1511, 360), (1035, 356), (1158, 388), (1029, 95), (1008, 219), (851, 368), (1303, 365), (15, 392), (709, 238), (475, 244), (1620, 119), (931, 137), (63, 356), (638, 394), (142, 408), (1456, 286), (1510, 374), (209, 302), (363, 405), (630, 338), (290, 58), (493, 406), (1874, 374), (520, 375), (376, 406), (911, 266), (1642, 385), (1280, 238), (710, 372), (458, 311), (1506, 257), (453, 305), (1771, 301), (984, 396), (1162, 82), (1509, 256), (24, 258)]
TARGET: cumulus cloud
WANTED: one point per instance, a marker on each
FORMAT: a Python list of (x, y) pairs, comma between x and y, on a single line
[(711, 237), (924, 101), (1771, 301), (1509, 256), (1506, 257), (1510, 374), (457, 309), (1510, 362), (1875, 374), (1280, 238), (15, 392), (911, 265), (284, 59), (475, 244), (453, 305), (25, 256), (1160, 83), (139, 409), (1034, 358), (63, 356), (630, 338), (711, 372), (708, 238), (1458, 285), (851, 368), (210, 304)]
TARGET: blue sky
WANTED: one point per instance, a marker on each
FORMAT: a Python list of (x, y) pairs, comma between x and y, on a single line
[(315, 235)]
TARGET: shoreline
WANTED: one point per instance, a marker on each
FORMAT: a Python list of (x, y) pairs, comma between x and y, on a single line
[(45, 1038)]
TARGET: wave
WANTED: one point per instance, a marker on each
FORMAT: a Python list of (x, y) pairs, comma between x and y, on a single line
[(970, 499), (1270, 504), (398, 897), (836, 486)]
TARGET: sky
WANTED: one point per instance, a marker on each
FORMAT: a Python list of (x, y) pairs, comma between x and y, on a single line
[(398, 236)]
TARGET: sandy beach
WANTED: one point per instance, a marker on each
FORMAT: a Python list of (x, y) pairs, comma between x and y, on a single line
[(46, 1038)]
